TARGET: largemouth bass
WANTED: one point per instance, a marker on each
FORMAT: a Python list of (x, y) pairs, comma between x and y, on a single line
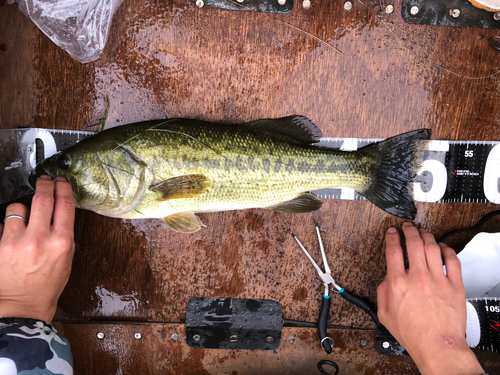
[(172, 169)]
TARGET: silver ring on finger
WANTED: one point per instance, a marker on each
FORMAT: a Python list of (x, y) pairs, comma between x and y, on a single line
[(14, 217)]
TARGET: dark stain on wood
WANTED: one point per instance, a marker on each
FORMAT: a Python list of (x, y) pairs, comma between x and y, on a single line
[(300, 294)]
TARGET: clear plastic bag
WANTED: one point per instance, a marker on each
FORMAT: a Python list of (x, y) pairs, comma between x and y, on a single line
[(80, 27)]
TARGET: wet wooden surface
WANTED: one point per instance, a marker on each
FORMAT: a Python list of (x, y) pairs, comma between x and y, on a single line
[(172, 59)]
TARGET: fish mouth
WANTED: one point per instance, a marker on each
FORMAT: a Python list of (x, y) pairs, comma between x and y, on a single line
[(32, 180), (39, 171)]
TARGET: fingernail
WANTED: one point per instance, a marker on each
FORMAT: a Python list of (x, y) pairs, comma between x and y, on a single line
[(392, 230), (45, 177), (60, 179), (408, 224)]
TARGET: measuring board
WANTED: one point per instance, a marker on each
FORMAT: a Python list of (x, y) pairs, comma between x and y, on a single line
[(483, 323), (22, 149), (452, 171)]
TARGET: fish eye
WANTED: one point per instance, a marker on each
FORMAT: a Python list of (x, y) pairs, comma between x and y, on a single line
[(63, 161)]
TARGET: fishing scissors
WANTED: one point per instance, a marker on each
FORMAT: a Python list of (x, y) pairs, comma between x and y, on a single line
[(385, 344)]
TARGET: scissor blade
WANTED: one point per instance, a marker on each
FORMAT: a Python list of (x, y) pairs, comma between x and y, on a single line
[(320, 272), (325, 261)]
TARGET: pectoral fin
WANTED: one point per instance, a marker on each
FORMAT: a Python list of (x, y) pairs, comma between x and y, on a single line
[(188, 186), (184, 222), (304, 203)]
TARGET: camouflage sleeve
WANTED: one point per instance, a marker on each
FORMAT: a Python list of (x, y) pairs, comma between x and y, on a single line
[(29, 346)]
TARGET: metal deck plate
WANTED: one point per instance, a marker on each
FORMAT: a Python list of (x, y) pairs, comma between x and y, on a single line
[(264, 6), (233, 323), (441, 13)]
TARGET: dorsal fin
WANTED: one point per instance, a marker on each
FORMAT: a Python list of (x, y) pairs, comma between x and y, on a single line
[(298, 128)]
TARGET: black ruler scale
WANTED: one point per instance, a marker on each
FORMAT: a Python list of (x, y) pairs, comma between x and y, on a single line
[(466, 171), (483, 323), (452, 171)]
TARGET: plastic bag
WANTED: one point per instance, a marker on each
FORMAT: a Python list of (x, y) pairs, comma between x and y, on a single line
[(80, 27), (480, 261)]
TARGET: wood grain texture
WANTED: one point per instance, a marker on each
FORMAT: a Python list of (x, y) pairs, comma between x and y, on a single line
[(172, 59)]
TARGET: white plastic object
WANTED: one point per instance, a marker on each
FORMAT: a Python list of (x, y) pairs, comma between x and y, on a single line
[(480, 261)]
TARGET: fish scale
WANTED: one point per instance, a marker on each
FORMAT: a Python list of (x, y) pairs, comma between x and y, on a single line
[(245, 183), (239, 180)]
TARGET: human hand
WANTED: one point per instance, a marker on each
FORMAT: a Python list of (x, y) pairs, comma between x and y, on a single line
[(424, 308), (35, 258)]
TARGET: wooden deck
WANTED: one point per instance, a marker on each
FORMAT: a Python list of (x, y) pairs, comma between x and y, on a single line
[(173, 59)]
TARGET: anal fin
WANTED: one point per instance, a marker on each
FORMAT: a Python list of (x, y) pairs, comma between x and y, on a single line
[(184, 222), (304, 203), (187, 186)]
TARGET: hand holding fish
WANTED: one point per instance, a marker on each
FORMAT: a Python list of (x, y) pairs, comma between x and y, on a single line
[(424, 308), (36, 255)]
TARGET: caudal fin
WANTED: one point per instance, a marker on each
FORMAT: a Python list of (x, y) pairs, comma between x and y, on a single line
[(397, 162)]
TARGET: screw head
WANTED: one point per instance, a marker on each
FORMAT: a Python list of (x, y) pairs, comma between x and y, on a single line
[(281, 2), (389, 9), (138, 335), (233, 338), (269, 339), (496, 16), (455, 13), (347, 5), (306, 4), (291, 340), (414, 10), (363, 342), (196, 337), (100, 335), (200, 3), (386, 345), (175, 337)]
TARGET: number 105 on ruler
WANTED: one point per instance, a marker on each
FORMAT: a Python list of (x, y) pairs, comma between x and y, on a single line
[(495, 309)]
